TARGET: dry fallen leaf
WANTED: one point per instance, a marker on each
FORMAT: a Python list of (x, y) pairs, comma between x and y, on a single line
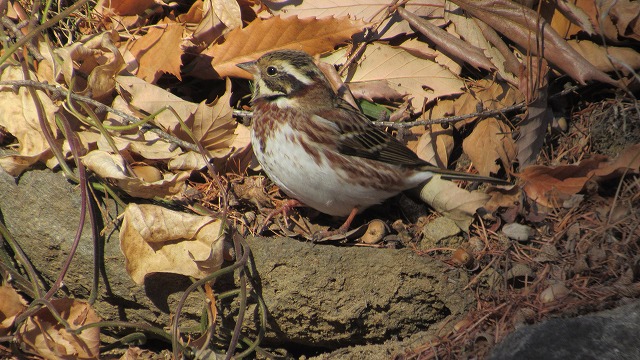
[(453, 202), (534, 85), (219, 17), (11, 304), (151, 99), (481, 95), (525, 27), (19, 117), (490, 142), (112, 167), (550, 186), (422, 50), (422, 80), (371, 11), (503, 197), (213, 125), (448, 43), (435, 145), (311, 35), (44, 336), (154, 239), (608, 58), (157, 52), (569, 18), (125, 7), (135, 353), (469, 30)]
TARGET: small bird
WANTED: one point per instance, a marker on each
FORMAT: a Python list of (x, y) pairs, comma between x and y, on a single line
[(322, 151)]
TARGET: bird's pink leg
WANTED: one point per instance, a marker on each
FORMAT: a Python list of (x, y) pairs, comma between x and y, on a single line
[(339, 231), (344, 227)]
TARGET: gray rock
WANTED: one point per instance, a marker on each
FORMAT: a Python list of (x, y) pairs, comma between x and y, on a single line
[(317, 295), (611, 334), (330, 296)]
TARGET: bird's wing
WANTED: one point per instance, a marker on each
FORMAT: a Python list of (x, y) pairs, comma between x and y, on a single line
[(358, 137)]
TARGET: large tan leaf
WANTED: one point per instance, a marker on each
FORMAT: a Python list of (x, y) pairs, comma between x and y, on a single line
[(44, 336), (453, 202), (157, 51), (154, 239), (112, 167), (367, 10), (489, 142), (422, 50), (19, 117), (151, 98), (421, 79), (312, 35), (526, 28)]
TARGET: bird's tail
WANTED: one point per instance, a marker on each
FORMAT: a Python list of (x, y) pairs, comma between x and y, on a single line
[(457, 175)]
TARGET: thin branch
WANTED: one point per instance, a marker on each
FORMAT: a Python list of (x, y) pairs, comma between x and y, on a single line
[(100, 107)]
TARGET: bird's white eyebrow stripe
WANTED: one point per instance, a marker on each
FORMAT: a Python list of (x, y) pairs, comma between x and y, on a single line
[(289, 69)]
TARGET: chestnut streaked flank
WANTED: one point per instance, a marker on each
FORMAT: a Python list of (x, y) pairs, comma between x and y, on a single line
[(319, 149)]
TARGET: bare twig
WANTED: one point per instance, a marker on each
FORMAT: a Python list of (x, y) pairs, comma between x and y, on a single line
[(450, 119), (100, 107)]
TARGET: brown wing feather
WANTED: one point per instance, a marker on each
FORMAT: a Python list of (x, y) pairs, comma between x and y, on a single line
[(358, 137)]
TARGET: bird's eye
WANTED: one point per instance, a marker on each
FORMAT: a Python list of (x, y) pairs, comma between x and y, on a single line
[(271, 70)]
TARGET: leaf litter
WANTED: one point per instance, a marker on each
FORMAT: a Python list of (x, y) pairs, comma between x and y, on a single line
[(153, 94)]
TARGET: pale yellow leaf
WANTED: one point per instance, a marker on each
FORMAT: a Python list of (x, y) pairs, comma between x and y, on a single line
[(453, 202), (112, 167), (154, 239), (435, 145), (151, 98), (422, 80), (19, 117), (422, 50)]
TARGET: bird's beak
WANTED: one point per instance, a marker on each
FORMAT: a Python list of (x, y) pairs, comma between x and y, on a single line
[(249, 66)]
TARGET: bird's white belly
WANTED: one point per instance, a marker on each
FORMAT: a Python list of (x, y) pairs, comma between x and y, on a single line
[(314, 183)]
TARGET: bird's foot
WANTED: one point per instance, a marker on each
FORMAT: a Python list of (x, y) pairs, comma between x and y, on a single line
[(341, 231), (284, 210)]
